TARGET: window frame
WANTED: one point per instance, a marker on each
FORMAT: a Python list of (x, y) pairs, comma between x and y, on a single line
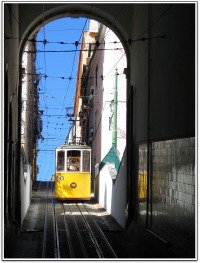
[(88, 150), (57, 151), (66, 157)]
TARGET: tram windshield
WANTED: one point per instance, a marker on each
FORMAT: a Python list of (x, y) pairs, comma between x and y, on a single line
[(73, 160), (60, 160)]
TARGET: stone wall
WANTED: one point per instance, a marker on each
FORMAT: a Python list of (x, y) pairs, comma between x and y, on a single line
[(171, 191)]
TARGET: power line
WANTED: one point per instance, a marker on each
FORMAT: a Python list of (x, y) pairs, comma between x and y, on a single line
[(75, 56), (104, 76), (54, 138), (115, 18), (67, 29), (115, 65), (76, 43), (48, 150), (45, 66), (70, 51), (157, 19), (56, 116), (47, 76), (45, 41), (49, 115), (97, 46), (70, 80), (73, 66), (61, 77), (131, 40), (52, 108)]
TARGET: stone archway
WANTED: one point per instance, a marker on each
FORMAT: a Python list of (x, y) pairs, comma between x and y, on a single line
[(37, 15)]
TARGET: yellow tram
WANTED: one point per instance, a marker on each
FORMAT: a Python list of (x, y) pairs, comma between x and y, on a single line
[(73, 172)]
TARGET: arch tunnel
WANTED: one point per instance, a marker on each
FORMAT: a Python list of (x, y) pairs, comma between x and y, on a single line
[(158, 183)]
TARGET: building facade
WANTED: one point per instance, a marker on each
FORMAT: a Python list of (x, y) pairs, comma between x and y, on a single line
[(30, 126), (87, 44), (102, 119)]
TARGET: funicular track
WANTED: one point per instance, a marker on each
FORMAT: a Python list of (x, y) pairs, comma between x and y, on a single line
[(50, 247), (70, 231)]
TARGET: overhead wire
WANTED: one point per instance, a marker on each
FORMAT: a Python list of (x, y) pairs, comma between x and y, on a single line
[(45, 41), (111, 69), (115, 65), (139, 38), (117, 15), (71, 51), (61, 77), (76, 43), (44, 44), (53, 138), (45, 66), (142, 39), (75, 57), (73, 63), (104, 48), (156, 20), (46, 150), (46, 76), (70, 29), (48, 115)]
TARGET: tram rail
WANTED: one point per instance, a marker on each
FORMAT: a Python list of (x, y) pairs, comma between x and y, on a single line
[(50, 226), (93, 225), (70, 231), (84, 234)]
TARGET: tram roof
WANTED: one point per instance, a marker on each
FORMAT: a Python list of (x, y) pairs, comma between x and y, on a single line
[(73, 146)]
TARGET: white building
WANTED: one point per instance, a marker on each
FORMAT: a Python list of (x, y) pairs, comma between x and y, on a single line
[(103, 120), (87, 44)]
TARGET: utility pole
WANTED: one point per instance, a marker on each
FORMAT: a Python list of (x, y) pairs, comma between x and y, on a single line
[(114, 133)]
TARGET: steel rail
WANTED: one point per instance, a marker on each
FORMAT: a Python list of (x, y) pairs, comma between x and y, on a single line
[(50, 196), (92, 236), (99, 229), (78, 233), (71, 222), (71, 249), (55, 226), (45, 224)]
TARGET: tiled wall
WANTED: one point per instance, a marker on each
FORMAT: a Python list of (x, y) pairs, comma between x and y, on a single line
[(172, 214)]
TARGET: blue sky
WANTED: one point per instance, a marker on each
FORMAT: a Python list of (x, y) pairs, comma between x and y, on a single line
[(55, 94)]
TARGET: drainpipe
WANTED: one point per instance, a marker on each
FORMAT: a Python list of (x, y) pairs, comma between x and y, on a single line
[(114, 133)]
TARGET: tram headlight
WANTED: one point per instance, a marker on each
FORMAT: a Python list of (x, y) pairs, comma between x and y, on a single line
[(60, 178), (73, 185)]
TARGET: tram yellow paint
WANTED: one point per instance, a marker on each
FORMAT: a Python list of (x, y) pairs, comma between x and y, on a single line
[(73, 186), (73, 172)]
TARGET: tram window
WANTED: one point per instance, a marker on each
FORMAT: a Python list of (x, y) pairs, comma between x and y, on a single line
[(86, 161), (60, 161), (73, 160)]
